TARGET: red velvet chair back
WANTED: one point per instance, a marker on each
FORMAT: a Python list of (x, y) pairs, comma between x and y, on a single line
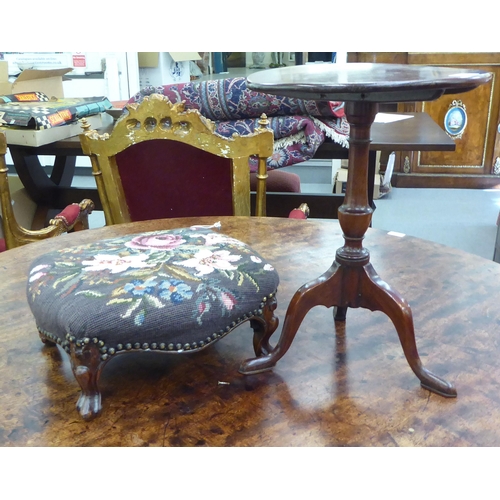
[(165, 178)]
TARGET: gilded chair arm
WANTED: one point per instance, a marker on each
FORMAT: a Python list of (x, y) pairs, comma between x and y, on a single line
[(73, 218)]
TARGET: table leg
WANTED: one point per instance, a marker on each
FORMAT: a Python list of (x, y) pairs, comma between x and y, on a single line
[(42, 188), (351, 281)]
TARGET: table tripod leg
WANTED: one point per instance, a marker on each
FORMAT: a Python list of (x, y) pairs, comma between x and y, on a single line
[(377, 295), (325, 290), (340, 313)]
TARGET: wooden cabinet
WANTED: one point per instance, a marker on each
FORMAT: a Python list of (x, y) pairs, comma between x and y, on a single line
[(476, 161)]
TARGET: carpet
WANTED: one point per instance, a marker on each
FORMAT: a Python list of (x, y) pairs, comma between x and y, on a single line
[(299, 126)]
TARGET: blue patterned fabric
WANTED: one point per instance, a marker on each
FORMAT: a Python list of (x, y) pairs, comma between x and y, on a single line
[(299, 126)]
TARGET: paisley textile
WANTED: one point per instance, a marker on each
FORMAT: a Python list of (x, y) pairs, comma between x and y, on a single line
[(299, 126)]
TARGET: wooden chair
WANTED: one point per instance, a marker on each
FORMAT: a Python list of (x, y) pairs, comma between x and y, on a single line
[(73, 217), (161, 161)]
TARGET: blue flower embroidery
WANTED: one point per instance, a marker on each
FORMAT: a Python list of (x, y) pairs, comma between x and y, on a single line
[(140, 287), (175, 291)]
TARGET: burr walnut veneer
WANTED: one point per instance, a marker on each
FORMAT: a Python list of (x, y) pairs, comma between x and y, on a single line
[(342, 384)]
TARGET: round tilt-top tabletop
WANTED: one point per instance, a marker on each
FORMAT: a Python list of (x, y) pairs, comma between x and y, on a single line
[(366, 81)]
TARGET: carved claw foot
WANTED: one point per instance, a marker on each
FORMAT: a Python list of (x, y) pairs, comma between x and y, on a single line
[(89, 406), (87, 365)]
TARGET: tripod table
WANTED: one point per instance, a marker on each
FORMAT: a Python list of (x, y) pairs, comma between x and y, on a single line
[(352, 281)]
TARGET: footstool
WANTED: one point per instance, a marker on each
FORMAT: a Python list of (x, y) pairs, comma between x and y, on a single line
[(171, 291)]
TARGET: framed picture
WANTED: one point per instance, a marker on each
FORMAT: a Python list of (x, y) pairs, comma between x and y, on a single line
[(455, 119)]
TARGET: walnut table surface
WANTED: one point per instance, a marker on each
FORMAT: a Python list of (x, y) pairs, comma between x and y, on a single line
[(340, 384)]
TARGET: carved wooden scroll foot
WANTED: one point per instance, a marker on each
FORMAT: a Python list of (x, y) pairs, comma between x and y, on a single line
[(264, 327)]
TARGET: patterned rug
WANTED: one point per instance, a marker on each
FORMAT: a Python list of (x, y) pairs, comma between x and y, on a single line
[(299, 126)]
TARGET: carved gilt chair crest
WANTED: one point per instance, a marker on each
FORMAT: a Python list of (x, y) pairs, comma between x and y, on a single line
[(157, 120)]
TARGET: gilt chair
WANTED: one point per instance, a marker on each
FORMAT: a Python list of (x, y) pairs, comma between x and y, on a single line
[(73, 218), (161, 161), (172, 291)]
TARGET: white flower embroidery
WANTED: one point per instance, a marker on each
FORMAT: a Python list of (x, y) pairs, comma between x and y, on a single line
[(206, 261), (216, 239), (115, 263), (36, 276), (36, 272), (268, 267)]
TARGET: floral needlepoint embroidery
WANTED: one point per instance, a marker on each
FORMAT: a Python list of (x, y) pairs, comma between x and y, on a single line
[(201, 273), (156, 241), (140, 287), (175, 291), (217, 239), (205, 261), (37, 272), (115, 263), (228, 300)]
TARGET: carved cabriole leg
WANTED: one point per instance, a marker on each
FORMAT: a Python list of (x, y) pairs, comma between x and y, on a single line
[(325, 291), (377, 295), (264, 326), (87, 365)]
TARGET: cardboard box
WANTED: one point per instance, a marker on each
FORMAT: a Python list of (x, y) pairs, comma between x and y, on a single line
[(26, 125), (34, 138), (341, 183), (48, 81), (163, 68), (148, 59)]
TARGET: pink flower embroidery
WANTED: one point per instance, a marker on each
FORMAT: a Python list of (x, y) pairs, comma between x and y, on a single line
[(156, 241), (228, 300)]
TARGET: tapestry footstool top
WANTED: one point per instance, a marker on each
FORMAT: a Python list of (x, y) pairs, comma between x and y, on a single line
[(171, 290)]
